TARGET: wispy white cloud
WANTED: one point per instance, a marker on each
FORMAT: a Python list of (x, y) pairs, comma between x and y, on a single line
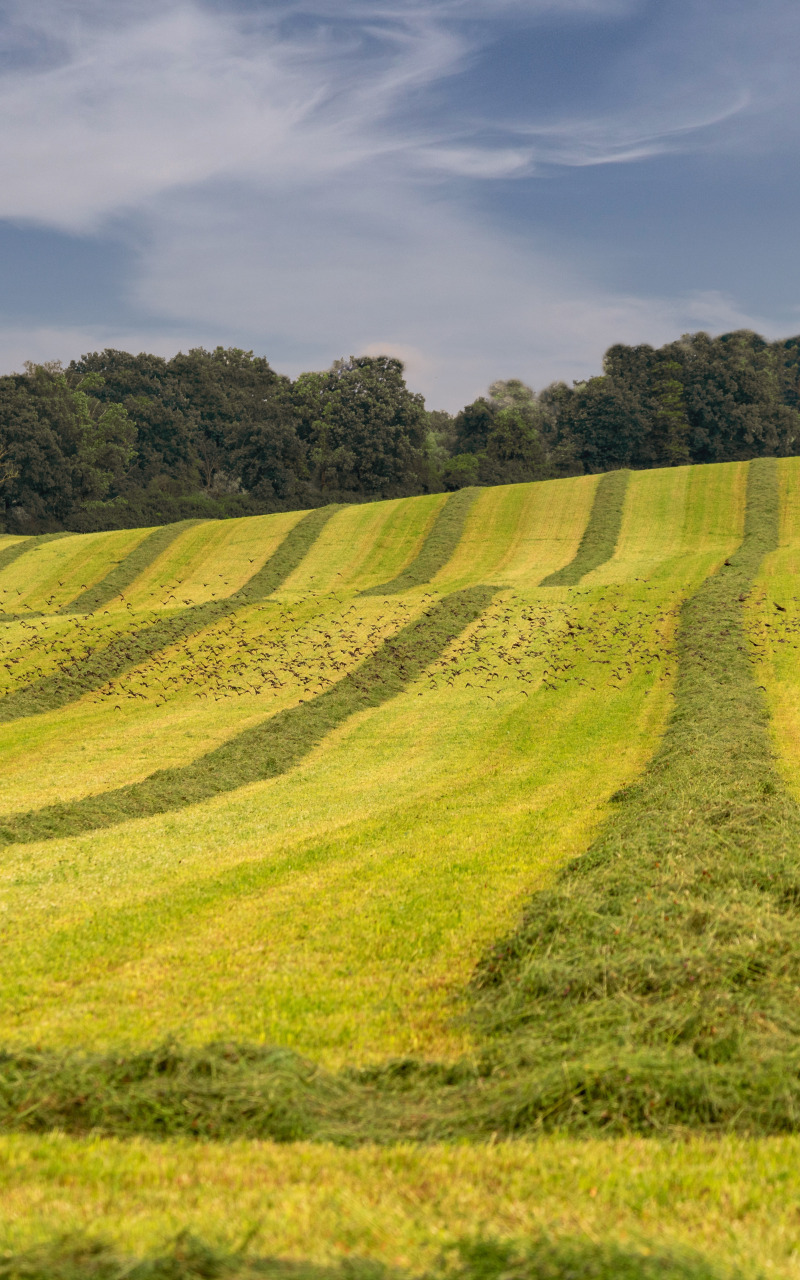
[(117, 112), (282, 193), (380, 268)]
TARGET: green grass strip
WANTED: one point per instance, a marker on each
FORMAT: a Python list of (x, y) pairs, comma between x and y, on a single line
[(658, 983), (128, 570), (9, 554), (92, 671), (17, 549), (481, 1258), (654, 988), (437, 548), (600, 536), (272, 747)]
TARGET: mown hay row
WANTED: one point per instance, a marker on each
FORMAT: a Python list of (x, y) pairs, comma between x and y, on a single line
[(601, 532), (271, 748), (437, 548), (96, 668), (657, 983), (125, 573)]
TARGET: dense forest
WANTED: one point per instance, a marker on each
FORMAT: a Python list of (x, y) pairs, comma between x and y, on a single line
[(115, 440)]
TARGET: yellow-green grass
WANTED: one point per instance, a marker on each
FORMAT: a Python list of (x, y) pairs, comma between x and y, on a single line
[(532, 528), (516, 534), (365, 545), (775, 635), (732, 1199), (694, 507), (189, 698), (341, 908), (210, 561), (30, 648), (54, 573), (672, 515)]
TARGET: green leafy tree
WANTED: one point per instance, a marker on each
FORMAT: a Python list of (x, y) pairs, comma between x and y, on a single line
[(161, 409), (364, 430), (473, 424), (605, 425), (514, 450), (62, 448)]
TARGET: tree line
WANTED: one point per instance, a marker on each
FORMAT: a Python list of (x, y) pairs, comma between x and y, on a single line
[(115, 440)]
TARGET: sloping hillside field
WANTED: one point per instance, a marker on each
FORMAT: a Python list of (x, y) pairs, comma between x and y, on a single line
[(413, 885)]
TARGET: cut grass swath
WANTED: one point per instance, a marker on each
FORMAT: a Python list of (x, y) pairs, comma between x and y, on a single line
[(480, 1258), (437, 548), (9, 554), (654, 986), (118, 579), (270, 748), (135, 647), (601, 532), (669, 954)]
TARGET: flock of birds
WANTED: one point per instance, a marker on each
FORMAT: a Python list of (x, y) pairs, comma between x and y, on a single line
[(297, 646), (769, 627)]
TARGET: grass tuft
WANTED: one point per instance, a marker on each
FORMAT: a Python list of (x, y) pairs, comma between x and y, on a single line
[(219, 1091), (189, 1258)]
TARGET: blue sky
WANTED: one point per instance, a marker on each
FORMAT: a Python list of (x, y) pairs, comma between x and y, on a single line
[(486, 189)]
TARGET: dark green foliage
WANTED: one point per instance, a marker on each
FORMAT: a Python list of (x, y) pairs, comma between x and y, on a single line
[(604, 425), (700, 399), (163, 417), (472, 426), (118, 579), (364, 430), (121, 441), (732, 389), (188, 1258), (60, 446), (437, 548), (124, 441), (600, 535), (514, 451), (129, 649), (270, 748), (499, 440)]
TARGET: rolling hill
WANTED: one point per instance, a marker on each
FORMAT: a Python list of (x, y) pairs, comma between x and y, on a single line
[(368, 829)]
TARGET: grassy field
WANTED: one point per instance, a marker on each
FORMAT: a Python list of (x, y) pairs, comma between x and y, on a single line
[(733, 1200), (341, 907)]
